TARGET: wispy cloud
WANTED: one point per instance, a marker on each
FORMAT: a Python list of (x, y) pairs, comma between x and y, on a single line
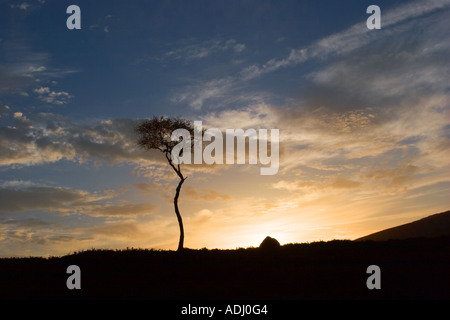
[(21, 6), (348, 40), (103, 23), (22, 68), (203, 50), (395, 22)]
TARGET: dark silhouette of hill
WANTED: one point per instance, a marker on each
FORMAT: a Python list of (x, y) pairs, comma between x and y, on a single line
[(413, 268), (436, 225)]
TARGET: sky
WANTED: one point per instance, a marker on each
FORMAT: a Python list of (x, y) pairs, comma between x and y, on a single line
[(363, 118)]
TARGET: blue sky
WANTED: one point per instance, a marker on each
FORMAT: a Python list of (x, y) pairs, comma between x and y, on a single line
[(363, 118), (131, 60)]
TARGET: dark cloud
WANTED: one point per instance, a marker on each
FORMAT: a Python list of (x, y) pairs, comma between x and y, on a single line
[(4, 111), (147, 188), (12, 83), (26, 239), (41, 198), (192, 193), (29, 222), (49, 138), (65, 201), (121, 229), (340, 182), (124, 210), (395, 178)]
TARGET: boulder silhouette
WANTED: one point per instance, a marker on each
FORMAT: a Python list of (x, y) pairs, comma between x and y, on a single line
[(269, 243)]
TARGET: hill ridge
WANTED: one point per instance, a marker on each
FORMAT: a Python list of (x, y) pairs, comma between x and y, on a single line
[(435, 225)]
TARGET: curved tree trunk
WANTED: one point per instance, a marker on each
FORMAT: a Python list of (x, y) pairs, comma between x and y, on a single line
[(177, 169), (177, 212)]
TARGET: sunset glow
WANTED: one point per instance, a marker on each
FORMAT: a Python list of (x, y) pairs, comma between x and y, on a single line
[(363, 118)]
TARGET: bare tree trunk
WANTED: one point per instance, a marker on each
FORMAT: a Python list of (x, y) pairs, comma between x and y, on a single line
[(177, 170), (177, 211)]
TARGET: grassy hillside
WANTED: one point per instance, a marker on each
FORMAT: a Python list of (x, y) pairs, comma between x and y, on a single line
[(415, 268), (436, 225)]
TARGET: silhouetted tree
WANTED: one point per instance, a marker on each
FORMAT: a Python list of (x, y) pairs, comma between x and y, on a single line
[(156, 133)]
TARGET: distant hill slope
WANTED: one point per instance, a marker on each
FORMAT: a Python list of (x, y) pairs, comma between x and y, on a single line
[(436, 225)]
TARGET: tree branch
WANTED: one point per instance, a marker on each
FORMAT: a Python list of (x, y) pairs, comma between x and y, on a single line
[(178, 171)]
